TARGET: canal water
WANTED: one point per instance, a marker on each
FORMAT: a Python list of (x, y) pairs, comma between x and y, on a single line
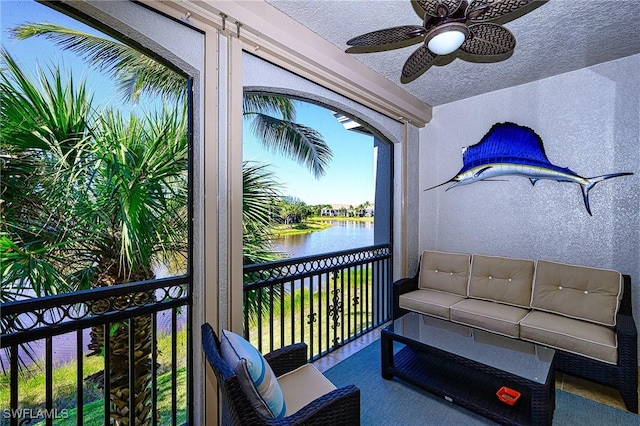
[(342, 235)]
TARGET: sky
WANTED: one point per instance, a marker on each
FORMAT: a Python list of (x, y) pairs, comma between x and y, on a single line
[(350, 175), (36, 52)]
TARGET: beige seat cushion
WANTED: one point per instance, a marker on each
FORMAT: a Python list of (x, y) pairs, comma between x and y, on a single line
[(429, 302), (501, 279), (490, 316), (571, 335), (302, 386), (577, 292), (442, 271)]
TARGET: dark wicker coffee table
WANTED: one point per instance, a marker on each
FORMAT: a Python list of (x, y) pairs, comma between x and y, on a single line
[(468, 366)]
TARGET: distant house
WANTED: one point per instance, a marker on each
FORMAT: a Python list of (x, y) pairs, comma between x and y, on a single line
[(367, 212), (344, 210), (328, 212)]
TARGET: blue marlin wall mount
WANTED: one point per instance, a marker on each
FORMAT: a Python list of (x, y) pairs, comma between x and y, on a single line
[(509, 149)]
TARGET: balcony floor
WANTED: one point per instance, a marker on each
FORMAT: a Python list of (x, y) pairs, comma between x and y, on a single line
[(575, 385)]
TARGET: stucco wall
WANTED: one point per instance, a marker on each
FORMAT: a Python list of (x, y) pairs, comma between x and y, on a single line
[(589, 121)]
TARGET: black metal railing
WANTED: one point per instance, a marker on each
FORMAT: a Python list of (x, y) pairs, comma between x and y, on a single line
[(324, 301), (151, 317)]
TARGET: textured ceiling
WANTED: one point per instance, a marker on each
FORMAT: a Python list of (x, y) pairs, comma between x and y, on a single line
[(553, 38)]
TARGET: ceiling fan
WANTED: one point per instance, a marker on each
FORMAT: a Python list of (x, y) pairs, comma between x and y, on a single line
[(448, 25)]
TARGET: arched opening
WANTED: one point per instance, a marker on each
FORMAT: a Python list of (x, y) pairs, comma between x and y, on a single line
[(355, 177), (322, 288)]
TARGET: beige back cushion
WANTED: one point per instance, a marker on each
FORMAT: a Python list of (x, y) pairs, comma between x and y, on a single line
[(577, 292), (501, 279), (447, 272)]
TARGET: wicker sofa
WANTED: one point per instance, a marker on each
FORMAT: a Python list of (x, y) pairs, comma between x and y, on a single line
[(584, 313)]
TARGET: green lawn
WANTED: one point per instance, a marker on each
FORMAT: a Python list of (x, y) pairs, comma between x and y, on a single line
[(300, 228), (355, 317), (31, 386), (94, 412)]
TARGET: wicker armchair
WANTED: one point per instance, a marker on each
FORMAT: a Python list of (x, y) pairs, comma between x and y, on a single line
[(338, 407)]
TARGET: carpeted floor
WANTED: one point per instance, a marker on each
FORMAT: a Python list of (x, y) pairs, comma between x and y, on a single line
[(394, 402)]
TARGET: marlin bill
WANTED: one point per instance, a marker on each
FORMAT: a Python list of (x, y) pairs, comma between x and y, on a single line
[(509, 149)]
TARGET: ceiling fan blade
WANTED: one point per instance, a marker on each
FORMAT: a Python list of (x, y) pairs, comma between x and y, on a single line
[(477, 10), (489, 40), (388, 36), (430, 7), (418, 63)]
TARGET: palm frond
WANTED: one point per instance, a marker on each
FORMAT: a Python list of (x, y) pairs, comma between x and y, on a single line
[(259, 190), (281, 106), (53, 116), (135, 72), (298, 142)]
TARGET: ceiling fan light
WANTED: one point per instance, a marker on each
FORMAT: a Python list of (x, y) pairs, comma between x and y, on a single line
[(446, 38)]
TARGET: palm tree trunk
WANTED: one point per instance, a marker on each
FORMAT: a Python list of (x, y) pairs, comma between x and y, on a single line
[(119, 366), (120, 374)]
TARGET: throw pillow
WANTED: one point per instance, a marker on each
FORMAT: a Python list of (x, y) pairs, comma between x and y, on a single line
[(254, 373)]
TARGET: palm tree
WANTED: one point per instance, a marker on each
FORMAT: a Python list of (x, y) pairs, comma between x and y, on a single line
[(92, 199), (144, 170)]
